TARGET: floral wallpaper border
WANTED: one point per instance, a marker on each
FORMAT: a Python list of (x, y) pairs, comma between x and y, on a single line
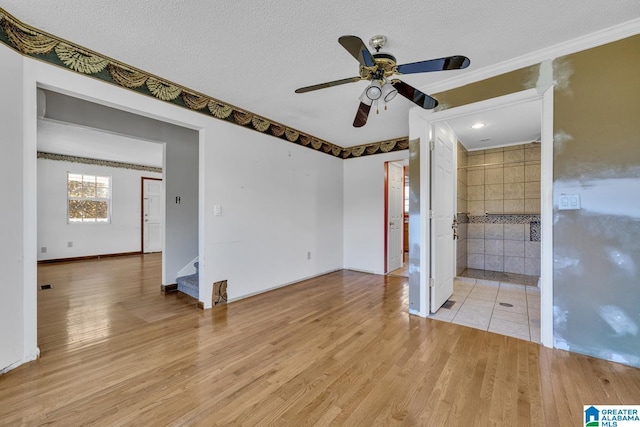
[(34, 43), (88, 161)]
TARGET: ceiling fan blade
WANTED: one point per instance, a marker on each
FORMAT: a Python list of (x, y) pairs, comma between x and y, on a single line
[(328, 84), (414, 95), (457, 62), (356, 47), (362, 115)]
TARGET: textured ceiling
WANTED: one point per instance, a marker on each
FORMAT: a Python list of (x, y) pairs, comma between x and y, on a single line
[(255, 54)]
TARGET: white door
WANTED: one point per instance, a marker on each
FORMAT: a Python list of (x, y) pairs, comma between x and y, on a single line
[(443, 207), (151, 215), (395, 187)]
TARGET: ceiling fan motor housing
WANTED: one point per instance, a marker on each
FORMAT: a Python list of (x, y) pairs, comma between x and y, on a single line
[(385, 67)]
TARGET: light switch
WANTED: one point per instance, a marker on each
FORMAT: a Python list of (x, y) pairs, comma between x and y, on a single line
[(568, 202), (217, 210)]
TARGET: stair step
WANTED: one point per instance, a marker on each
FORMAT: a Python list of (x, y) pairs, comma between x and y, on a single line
[(189, 285)]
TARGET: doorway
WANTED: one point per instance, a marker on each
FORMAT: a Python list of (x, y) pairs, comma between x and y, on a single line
[(396, 218), (422, 125), (151, 220)]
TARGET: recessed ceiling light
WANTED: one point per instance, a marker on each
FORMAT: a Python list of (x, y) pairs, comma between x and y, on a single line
[(478, 125)]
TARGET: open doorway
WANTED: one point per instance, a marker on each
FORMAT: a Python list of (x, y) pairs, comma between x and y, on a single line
[(472, 215), (89, 142), (151, 224), (396, 214)]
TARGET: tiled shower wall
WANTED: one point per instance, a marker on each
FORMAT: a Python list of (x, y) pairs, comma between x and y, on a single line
[(461, 243), (503, 200), (506, 180)]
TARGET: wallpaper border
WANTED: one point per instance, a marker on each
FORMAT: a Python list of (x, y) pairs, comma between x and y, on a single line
[(96, 162), (40, 45)]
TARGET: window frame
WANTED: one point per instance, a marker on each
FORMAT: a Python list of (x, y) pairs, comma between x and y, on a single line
[(108, 199)]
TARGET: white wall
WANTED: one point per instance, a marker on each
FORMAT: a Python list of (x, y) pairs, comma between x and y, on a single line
[(181, 167), (279, 201), (364, 225), (12, 280), (121, 235)]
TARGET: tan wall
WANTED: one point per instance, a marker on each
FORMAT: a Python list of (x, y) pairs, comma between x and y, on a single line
[(596, 250)]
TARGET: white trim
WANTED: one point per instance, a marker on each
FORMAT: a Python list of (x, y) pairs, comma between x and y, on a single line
[(188, 269), (607, 35), (241, 297), (546, 220), (34, 355), (425, 216)]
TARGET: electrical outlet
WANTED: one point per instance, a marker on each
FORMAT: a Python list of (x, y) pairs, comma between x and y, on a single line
[(69, 244)]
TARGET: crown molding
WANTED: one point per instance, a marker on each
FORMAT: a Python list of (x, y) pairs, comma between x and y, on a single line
[(598, 38)]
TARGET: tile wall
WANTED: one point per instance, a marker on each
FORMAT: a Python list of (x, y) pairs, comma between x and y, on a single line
[(461, 243), (506, 180), (503, 198)]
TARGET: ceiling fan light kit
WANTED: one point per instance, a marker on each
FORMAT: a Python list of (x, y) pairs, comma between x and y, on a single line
[(374, 91), (378, 67)]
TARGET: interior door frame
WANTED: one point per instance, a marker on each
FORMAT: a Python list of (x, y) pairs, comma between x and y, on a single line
[(142, 179), (420, 124), (386, 213)]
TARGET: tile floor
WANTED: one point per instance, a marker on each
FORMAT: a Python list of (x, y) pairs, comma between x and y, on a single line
[(503, 308)]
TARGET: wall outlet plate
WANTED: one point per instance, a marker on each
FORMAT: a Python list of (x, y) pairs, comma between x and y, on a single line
[(568, 202)]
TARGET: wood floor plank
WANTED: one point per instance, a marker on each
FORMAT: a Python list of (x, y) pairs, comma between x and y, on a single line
[(339, 349)]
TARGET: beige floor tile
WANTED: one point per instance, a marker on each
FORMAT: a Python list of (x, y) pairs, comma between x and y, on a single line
[(479, 317), (465, 280), (535, 334), (463, 286), (479, 302), (534, 323), (458, 298), (510, 316), (472, 324), (533, 302), (512, 329), (512, 299), (443, 315), (519, 309), (534, 313), (482, 293)]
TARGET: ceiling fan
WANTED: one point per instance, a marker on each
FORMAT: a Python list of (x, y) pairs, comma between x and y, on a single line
[(378, 67)]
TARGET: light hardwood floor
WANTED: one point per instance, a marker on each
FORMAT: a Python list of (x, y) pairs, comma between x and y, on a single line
[(338, 349)]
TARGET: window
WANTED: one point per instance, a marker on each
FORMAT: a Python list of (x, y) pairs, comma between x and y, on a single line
[(88, 198)]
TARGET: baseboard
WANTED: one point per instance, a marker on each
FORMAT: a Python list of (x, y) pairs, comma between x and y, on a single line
[(88, 257), (282, 285), (165, 289), (29, 358)]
